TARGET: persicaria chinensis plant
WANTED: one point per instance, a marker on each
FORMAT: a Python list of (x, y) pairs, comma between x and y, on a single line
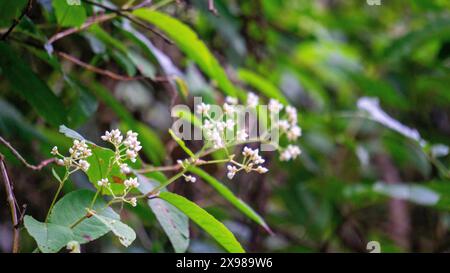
[(121, 178)]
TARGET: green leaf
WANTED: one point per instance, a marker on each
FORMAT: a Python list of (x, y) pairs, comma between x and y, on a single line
[(181, 143), (205, 220), (125, 234), (101, 164), (55, 174), (84, 105), (174, 223), (229, 195), (49, 237), (12, 123), (33, 89), (142, 64), (9, 10), (124, 62), (262, 85), (72, 134), (72, 207), (436, 29), (187, 40), (69, 15), (380, 89), (102, 167), (182, 87)]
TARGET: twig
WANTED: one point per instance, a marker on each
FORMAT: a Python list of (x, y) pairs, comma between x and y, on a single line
[(121, 12), (89, 22), (140, 5), (16, 21), (107, 73), (12, 205), (97, 70), (212, 7), (20, 157)]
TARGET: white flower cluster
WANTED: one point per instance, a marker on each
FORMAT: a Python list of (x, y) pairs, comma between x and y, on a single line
[(131, 143), (251, 162), (190, 178), (78, 154), (290, 152), (215, 130), (131, 183), (104, 182), (125, 148), (289, 127), (131, 147), (184, 164)]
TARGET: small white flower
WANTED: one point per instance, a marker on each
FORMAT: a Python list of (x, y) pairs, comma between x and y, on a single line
[(208, 125), (232, 170), (131, 134), (283, 125), (190, 178), (261, 169), (291, 152), (203, 108), (84, 165), (231, 100), (241, 135), (228, 109), (131, 154), (115, 137), (133, 201), (54, 151), (229, 124), (131, 183), (252, 100), (216, 139), (257, 159), (248, 152), (103, 182), (60, 162), (275, 106), (124, 168), (106, 136), (285, 156), (292, 114), (221, 125), (294, 133)]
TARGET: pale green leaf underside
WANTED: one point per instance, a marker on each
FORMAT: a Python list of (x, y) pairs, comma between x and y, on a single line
[(49, 237), (125, 234), (72, 207), (174, 223)]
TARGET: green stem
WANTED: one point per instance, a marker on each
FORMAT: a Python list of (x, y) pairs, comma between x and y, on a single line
[(61, 185), (165, 184), (95, 198), (78, 222)]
